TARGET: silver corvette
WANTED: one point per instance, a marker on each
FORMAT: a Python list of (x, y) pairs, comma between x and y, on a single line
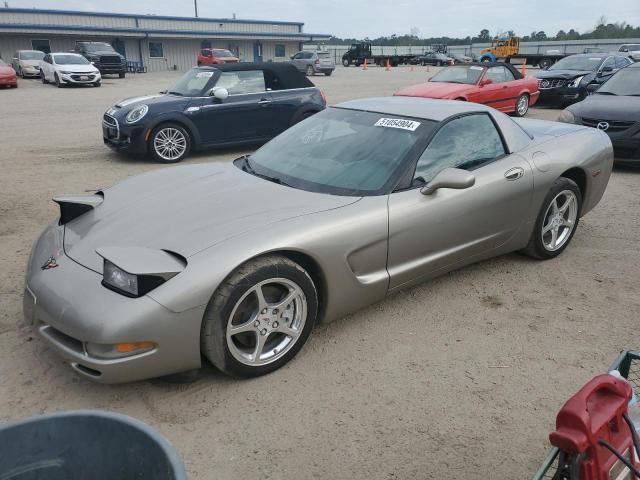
[(238, 261)]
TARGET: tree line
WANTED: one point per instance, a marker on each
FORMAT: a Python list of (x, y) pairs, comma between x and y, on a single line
[(603, 29)]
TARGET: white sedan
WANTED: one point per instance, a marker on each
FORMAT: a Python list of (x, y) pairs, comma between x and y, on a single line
[(68, 68)]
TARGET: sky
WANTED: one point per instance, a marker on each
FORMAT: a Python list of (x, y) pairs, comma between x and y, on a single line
[(373, 18)]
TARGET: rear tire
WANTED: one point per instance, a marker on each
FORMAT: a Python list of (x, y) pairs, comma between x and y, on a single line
[(328, 74), (522, 106), (122, 74), (557, 220), (346, 62), (169, 143), (97, 84), (262, 346), (310, 71)]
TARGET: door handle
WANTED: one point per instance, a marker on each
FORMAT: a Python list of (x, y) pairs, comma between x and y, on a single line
[(263, 101), (514, 173)]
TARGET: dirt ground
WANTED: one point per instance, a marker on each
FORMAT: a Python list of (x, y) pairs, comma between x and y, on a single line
[(458, 378)]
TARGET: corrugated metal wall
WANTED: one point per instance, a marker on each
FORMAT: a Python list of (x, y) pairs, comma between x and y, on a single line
[(49, 19), (216, 26)]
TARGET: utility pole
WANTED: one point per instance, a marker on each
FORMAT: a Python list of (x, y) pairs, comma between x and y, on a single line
[(195, 4)]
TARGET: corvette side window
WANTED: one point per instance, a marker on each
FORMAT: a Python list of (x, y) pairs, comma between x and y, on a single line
[(467, 142)]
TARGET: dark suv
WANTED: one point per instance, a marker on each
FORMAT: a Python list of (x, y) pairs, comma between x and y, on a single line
[(103, 57)]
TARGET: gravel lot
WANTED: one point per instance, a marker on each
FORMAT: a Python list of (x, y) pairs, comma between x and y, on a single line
[(458, 378)]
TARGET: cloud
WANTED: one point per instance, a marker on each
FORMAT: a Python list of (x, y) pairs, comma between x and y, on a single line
[(373, 18)]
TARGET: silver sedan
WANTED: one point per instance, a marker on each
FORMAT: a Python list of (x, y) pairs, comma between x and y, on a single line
[(238, 261)]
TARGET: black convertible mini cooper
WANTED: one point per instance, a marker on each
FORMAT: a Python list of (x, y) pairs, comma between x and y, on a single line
[(230, 104)]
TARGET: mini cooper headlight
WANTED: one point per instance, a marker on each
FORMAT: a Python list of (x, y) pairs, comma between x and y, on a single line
[(137, 113), (567, 117), (128, 284), (575, 83)]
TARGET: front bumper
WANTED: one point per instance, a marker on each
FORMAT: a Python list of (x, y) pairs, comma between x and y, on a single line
[(626, 141), (67, 306), (122, 137), (80, 78), (26, 72), (110, 68), (562, 95)]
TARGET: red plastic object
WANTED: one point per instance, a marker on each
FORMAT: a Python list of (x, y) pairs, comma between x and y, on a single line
[(596, 412)]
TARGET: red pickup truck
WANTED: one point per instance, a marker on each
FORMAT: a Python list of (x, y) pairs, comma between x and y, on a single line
[(216, 56)]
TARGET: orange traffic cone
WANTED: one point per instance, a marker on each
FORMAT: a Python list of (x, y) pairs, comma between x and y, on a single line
[(364, 65), (412, 67), (523, 69), (388, 67)]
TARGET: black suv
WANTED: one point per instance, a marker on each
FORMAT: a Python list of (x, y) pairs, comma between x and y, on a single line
[(103, 57)]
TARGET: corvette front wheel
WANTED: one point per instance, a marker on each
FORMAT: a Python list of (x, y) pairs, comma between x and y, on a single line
[(557, 220), (260, 317)]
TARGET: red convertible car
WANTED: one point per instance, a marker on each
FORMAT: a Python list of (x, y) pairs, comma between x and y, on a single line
[(7, 75), (498, 85)]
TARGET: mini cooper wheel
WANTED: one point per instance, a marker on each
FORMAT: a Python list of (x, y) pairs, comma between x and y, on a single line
[(169, 143), (310, 71), (557, 221), (260, 317), (522, 105)]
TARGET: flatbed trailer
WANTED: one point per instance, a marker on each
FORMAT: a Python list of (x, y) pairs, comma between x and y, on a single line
[(359, 52), (508, 49)]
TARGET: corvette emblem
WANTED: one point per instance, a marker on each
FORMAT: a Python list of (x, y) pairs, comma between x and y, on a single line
[(604, 126), (49, 264)]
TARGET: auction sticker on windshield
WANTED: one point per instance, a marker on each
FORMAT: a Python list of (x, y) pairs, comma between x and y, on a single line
[(398, 123)]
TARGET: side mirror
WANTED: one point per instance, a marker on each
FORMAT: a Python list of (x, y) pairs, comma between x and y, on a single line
[(592, 87), (449, 178), (488, 81), (220, 93), (291, 57)]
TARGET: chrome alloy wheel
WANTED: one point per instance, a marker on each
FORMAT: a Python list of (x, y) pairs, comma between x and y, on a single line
[(559, 220), (266, 321), (170, 143), (523, 105)]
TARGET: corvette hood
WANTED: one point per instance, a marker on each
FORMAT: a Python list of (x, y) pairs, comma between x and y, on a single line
[(564, 74), (608, 107), (187, 209), (435, 90)]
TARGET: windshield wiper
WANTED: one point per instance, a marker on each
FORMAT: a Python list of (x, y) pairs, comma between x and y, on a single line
[(246, 166)]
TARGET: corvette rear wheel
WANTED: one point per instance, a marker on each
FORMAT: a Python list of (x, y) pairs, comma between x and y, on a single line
[(557, 220), (522, 105), (169, 143), (260, 317)]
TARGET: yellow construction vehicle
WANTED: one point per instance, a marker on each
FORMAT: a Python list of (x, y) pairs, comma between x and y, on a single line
[(506, 48)]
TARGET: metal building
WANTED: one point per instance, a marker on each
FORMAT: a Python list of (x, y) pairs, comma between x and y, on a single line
[(158, 42)]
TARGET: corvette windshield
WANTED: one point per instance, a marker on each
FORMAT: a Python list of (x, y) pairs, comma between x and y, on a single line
[(577, 63), (625, 82), (469, 75), (341, 152)]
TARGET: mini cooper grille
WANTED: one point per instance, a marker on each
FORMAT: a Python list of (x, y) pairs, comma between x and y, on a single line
[(614, 125), (111, 125), (547, 83), (110, 60)]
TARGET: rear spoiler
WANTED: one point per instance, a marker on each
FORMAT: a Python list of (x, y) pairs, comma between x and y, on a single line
[(72, 206)]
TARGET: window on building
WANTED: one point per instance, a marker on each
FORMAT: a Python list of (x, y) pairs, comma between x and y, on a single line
[(155, 50), (280, 51), (42, 45)]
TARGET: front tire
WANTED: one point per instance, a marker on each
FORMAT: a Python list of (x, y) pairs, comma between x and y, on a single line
[(57, 80), (169, 143), (346, 62), (122, 74), (522, 105), (97, 84), (260, 317), (328, 73), (43, 78), (557, 220)]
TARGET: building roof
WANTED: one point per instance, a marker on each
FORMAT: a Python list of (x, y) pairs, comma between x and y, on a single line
[(424, 108), (26, 20)]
